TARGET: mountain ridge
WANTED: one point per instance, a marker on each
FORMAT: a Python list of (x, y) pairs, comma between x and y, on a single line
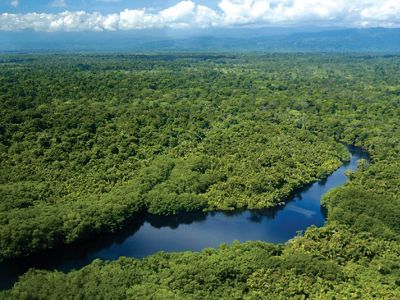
[(280, 40)]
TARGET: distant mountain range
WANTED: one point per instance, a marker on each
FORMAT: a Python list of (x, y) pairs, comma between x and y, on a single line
[(271, 40)]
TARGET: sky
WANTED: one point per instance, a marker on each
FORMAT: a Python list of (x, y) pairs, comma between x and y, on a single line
[(124, 15)]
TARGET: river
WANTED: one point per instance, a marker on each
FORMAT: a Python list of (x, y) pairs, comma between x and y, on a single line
[(192, 231)]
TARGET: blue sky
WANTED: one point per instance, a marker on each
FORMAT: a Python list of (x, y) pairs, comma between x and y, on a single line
[(104, 6), (114, 15)]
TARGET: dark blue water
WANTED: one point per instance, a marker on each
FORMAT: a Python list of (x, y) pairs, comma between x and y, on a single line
[(193, 231)]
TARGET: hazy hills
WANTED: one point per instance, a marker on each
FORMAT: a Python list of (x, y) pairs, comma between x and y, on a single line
[(273, 40)]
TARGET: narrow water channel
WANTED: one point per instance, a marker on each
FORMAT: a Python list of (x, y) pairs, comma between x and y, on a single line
[(193, 231)]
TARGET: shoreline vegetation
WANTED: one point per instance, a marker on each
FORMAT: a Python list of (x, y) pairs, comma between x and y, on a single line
[(86, 140)]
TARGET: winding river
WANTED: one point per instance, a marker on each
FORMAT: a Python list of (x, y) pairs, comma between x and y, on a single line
[(193, 231)]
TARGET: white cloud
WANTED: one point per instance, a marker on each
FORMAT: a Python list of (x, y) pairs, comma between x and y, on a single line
[(206, 17), (231, 13), (288, 12), (14, 3), (58, 3), (382, 15), (182, 11)]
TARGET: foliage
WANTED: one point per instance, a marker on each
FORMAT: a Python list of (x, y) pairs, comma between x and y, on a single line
[(89, 142)]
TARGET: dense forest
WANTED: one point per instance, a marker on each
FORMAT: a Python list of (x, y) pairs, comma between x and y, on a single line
[(88, 143)]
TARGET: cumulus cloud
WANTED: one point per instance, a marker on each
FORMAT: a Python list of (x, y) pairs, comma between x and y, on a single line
[(286, 12), (387, 14), (231, 13), (181, 12)]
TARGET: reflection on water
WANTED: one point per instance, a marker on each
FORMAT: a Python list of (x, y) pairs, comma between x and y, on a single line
[(192, 231), (174, 221)]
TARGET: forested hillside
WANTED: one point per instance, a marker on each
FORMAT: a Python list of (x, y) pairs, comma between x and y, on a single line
[(88, 143)]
